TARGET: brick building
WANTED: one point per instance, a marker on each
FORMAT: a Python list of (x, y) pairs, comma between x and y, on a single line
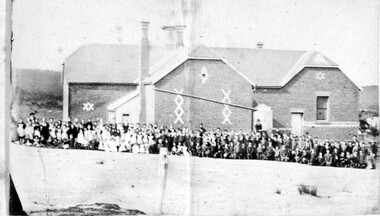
[(301, 91)]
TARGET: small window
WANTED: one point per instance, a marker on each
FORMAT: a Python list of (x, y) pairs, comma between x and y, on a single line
[(322, 108), (126, 118)]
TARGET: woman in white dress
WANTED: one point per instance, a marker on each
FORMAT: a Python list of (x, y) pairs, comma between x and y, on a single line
[(145, 141), (135, 148), (52, 132), (64, 135), (58, 132), (128, 144), (21, 131), (139, 138), (134, 145), (106, 140), (101, 140), (81, 140), (37, 132)]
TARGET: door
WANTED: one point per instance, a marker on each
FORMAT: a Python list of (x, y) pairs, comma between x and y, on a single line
[(297, 119), (126, 118)]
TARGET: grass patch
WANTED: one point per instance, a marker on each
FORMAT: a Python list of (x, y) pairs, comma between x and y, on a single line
[(305, 189)]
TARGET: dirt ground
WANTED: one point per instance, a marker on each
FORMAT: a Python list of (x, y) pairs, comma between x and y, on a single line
[(53, 178)]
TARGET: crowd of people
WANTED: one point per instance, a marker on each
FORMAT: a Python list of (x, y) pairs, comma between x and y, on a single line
[(214, 143)]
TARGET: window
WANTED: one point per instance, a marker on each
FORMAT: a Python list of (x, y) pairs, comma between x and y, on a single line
[(322, 108), (126, 118)]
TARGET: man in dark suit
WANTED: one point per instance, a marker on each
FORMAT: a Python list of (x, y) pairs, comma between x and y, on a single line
[(258, 126)]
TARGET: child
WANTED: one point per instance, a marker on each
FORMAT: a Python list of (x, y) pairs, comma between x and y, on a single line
[(313, 158), (284, 154), (335, 158), (342, 160), (135, 148), (249, 150), (321, 159), (260, 152), (362, 160), (198, 149), (328, 158), (277, 154), (21, 131)]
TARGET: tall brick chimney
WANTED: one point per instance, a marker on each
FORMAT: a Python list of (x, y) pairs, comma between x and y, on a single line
[(180, 32), (170, 43), (144, 68)]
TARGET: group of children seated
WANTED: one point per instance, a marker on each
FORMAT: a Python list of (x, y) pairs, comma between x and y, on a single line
[(148, 139)]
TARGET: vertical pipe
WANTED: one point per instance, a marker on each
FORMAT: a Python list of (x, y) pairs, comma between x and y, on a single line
[(144, 69)]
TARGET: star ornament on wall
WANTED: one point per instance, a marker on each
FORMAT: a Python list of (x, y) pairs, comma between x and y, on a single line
[(204, 75), (88, 106), (320, 76)]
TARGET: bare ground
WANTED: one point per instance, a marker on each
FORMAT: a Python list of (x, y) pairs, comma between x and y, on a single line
[(51, 179)]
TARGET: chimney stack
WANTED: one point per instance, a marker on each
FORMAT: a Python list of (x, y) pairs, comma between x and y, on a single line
[(144, 68), (180, 32), (260, 45), (170, 44)]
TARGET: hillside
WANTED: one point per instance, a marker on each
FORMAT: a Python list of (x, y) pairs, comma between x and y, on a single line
[(369, 99), (39, 90)]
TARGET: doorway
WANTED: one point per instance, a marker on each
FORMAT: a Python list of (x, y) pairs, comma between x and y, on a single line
[(297, 124), (126, 118)]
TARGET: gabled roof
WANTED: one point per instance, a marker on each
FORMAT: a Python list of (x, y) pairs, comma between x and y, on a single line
[(114, 105), (308, 59), (166, 65), (97, 63), (106, 63), (264, 67)]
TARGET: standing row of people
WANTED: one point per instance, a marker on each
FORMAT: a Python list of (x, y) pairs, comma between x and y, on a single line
[(136, 138)]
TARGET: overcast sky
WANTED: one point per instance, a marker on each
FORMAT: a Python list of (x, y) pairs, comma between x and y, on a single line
[(346, 31)]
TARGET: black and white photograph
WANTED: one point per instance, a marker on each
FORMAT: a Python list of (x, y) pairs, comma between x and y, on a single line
[(190, 107)]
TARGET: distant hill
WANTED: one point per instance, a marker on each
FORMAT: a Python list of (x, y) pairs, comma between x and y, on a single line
[(34, 80), (39, 90), (369, 99)]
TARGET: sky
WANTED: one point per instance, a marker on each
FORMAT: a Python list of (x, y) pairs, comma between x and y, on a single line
[(346, 31)]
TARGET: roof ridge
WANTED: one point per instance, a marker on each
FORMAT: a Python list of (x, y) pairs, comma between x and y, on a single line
[(263, 49)]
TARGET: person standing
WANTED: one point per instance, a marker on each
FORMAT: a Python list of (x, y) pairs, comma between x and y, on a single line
[(328, 158), (258, 126), (21, 131), (202, 130)]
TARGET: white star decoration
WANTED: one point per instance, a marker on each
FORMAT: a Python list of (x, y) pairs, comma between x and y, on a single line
[(204, 75), (320, 76), (88, 106)]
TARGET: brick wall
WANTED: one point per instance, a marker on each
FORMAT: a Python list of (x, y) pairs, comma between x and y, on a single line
[(187, 77), (99, 94), (332, 132), (300, 92)]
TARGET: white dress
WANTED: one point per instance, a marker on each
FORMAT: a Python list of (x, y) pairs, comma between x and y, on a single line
[(135, 148), (81, 140), (142, 149), (64, 134)]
